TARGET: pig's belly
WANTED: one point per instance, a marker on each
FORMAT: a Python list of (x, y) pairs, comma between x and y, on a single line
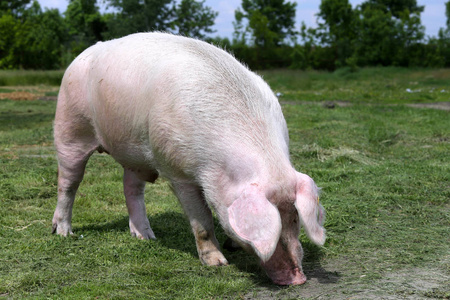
[(137, 158)]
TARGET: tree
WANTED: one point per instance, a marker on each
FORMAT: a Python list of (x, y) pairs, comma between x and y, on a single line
[(85, 26), (388, 30), (409, 34), (338, 29), (193, 19), (15, 7), (447, 13), (443, 41), (394, 7), (31, 40), (8, 25), (269, 22), (139, 16), (190, 17), (84, 20)]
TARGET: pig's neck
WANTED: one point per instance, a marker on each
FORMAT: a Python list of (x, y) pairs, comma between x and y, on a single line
[(225, 184)]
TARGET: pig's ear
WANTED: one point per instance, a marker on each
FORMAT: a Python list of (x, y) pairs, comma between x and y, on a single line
[(256, 221), (312, 214)]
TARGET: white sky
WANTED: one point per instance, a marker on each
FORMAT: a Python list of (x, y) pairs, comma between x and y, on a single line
[(432, 18)]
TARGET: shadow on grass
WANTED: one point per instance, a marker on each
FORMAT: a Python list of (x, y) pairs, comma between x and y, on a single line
[(172, 231), (117, 225), (315, 270)]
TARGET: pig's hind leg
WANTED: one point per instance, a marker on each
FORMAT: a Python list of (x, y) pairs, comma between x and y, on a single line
[(201, 220), (73, 154), (134, 195)]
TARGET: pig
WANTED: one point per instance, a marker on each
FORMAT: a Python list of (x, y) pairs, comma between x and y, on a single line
[(168, 105)]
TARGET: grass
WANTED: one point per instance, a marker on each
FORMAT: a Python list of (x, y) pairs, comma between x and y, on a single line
[(369, 85), (22, 77), (384, 171)]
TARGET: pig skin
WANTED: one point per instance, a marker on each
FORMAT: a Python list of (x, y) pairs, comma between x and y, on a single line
[(167, 105)]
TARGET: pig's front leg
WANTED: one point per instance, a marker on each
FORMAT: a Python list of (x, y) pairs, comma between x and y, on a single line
[(201, 220), (134, 194)]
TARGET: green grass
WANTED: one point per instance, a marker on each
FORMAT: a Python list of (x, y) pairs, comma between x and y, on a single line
[(22, 77), (384, 170), (368, 85)]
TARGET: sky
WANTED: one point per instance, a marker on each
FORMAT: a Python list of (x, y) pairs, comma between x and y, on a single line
[(432, 18)]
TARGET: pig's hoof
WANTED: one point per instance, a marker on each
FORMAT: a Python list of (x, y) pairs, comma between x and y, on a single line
[(146, 234), (141, 229), (61, 229), (214, 258)]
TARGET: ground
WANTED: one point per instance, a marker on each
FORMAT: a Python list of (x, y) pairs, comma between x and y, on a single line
[(339, 282), (389, 253)]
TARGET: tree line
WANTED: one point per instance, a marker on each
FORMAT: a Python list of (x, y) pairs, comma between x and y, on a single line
[(374, 33)]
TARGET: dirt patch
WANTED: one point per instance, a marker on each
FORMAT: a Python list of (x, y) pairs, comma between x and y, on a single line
[(338, 283), (19, 96), (437, 105), (48, 98), (29, 93)]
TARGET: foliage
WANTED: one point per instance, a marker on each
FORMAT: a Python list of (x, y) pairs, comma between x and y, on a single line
[(15, 7), (262, 58), (447, 13), (193, 19), (338, 29), (388, 33), (262, 32), (34, 39), (84, 20), (269, 23), (139, 16), (376, 32), (395, 8), (85, 25), (190, 17)]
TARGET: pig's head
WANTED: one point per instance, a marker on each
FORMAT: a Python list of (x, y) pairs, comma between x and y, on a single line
[(268, 225)]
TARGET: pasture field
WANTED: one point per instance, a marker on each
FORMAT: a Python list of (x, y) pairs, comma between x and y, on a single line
[(383, 166)]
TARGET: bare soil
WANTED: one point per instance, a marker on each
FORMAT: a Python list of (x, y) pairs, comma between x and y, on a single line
[(437, 105), (18, 96), (340, 281), (29, 93)]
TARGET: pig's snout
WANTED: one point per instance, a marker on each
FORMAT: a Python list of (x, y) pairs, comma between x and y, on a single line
[(284, 267), (293, 276)]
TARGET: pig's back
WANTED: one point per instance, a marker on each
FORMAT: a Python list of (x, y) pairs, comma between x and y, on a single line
[(179, 102)]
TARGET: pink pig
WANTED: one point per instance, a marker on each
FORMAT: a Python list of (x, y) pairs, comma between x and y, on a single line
[(167, 105)]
